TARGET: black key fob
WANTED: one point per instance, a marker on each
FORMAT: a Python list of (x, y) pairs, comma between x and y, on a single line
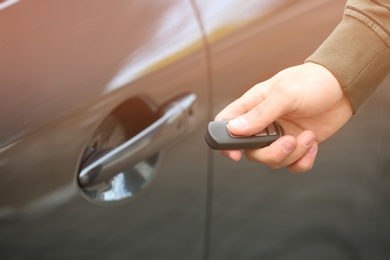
[(218, 137)]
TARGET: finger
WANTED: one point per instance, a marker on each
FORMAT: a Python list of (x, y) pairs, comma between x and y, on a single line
[(281, 153), (275, 154), (306, 162), (245, 103), (304, 141), (234, 155), (259, 117)]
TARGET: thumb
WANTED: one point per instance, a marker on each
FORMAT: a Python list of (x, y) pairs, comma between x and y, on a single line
[(259, 117)]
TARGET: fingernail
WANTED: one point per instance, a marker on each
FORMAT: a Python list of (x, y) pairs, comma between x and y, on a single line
[(239, 123), (308, 140), (313, 150), (288, 146)]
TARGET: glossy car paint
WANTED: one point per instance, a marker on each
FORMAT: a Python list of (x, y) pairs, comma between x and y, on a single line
[(67, 65)]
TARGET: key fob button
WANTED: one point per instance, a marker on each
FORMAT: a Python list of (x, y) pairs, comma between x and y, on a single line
[(272, 129), (262, 133)]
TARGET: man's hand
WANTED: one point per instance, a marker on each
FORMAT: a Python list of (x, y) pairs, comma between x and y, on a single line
[(306, 100)]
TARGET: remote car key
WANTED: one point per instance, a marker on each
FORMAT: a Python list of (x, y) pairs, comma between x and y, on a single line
[(218, 137)]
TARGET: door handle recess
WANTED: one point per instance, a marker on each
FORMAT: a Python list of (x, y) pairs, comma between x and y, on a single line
[(175, 121)]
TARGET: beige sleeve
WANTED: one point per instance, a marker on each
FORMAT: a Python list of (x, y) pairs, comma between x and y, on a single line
[(358, 50)]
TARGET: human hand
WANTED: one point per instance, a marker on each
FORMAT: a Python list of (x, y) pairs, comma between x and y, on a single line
[(306, 100)]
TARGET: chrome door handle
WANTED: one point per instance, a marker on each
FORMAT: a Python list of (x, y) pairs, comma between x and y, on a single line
[(174, 122)]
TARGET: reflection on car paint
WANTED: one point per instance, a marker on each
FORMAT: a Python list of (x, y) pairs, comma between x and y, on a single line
[(8, 3), (172, 40)]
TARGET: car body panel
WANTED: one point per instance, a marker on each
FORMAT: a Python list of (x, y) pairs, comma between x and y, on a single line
[(67, 65), (53, 64)]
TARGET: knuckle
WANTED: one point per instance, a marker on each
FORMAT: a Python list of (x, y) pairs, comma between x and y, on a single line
[(260, 111)]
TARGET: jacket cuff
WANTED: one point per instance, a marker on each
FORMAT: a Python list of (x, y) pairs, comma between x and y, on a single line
[(357, 57)]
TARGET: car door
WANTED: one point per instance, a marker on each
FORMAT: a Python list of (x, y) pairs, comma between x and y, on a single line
[(338, 210), (103, 106)]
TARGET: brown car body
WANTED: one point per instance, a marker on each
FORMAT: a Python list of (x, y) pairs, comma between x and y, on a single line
[(68, 67)]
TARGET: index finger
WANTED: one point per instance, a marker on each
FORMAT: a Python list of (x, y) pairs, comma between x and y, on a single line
[(245, 103)]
